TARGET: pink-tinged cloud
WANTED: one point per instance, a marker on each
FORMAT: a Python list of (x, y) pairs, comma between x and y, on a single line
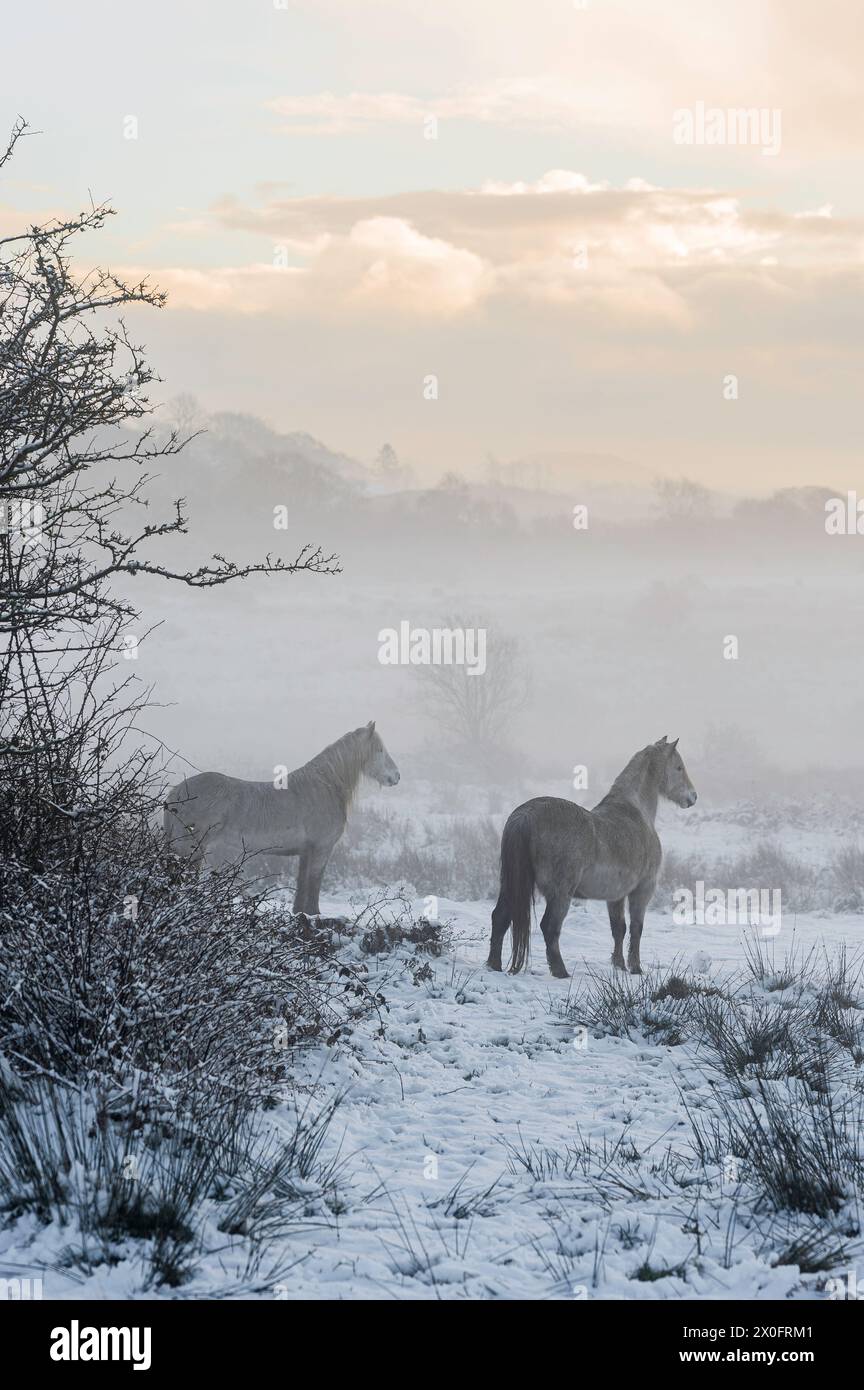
[(637, 252), (627, 65)]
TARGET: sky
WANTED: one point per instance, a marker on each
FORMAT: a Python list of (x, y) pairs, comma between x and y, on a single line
[(346, 200)]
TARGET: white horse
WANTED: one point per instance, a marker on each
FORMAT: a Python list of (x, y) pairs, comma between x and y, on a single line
[(217, 818)]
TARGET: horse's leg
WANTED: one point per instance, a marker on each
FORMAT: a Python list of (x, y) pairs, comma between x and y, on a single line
[(557, 906), (501, 916), (637, 902), (301, 894), (618, 923), (318, 858), (215, 853)]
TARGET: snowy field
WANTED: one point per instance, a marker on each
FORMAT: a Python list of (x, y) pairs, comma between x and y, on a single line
[(492, 1149), (478, 1064)]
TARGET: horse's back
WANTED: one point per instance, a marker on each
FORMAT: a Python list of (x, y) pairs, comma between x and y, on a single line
[(556, 830), (202, 789), (550, 813), (202, 805), (600, 853), (213, 811)]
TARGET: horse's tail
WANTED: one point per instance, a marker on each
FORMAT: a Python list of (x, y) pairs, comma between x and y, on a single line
[(517, 888)]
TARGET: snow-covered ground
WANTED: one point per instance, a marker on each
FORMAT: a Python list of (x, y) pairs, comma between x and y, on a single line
[(476, 1063), (476, 1066)]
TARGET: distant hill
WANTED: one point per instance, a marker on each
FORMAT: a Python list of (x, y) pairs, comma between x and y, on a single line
[(227, 431)]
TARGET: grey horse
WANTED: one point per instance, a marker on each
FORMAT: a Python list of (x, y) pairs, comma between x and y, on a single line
[(612, 852), (219, 818)]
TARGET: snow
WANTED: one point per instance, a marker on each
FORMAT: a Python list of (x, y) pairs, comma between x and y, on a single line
[(474, 1064)]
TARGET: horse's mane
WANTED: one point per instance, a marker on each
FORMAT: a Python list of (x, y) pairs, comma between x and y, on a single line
[(632, 777), (341, 764)]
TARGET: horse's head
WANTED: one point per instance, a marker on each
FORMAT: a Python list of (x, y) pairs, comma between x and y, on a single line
[(378, 764), (675, 784)]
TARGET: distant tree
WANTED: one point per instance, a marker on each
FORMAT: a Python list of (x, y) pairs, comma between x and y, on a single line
[(683, 499), (451, 482), (387, 464), (390, 470), (185, 414), (476, 713), (310, 485)]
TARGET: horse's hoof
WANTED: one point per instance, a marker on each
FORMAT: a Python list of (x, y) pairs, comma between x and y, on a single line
[(494, 965), (619, 964), (560, 972), (636, 969)]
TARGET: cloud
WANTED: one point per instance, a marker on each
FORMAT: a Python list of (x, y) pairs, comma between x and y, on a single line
[(324, 113), (398, 263), (556, 181), (546, 103), (635, 225), (555, 65), (562, 240), (378, 263)]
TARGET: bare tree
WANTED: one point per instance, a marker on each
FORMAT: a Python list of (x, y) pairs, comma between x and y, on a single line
[(184, 413), (75, 446), (476, 712)]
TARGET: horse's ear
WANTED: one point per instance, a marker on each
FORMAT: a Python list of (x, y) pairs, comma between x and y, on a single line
[(660, 742), (675, 744), (370, 727)]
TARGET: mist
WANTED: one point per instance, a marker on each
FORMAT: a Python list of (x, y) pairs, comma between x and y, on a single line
[(637, 608)]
